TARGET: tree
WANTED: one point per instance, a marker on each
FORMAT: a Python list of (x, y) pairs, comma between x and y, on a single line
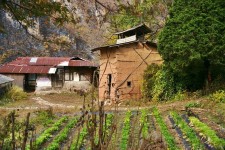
[(194, 33), (26, 11), (151, 12)]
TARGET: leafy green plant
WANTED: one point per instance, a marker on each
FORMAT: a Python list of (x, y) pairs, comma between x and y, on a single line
[(179, 96), (47, 134), (164, 130), (44, 117), (188, 132), (192, 104), (206, 132), (77, 142), (62, 135), (149, 81), (125, 131), (144, 123), (218, 96)]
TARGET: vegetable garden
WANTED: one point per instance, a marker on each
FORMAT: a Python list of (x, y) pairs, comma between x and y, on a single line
[(142, 129)]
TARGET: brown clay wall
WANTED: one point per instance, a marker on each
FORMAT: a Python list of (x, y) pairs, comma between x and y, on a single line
[(127, 66), (107, 66)]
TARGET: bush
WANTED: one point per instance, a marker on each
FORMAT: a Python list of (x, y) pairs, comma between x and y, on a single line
[(16, 93), (165, 85), (149, 81), (218, 96)]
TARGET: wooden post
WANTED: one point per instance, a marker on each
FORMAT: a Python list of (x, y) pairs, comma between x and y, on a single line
[(26, 132), (13, 130)]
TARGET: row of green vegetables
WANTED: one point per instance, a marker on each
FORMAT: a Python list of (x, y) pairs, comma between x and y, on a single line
[(207, 133), (196, 126), (47, 134), (62, 136), (168, 137), (125, 131)]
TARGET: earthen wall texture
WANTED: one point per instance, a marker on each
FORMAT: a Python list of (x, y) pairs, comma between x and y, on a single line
[(126, 64)]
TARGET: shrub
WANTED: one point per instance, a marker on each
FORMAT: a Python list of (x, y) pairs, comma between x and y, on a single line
[(165, 85), (149, 81), (16, 93), (192, 104), (218, 96)]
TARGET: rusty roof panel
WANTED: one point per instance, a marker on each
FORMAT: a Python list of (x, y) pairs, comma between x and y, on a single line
[(25, 69), (42, 65), (81, 63)]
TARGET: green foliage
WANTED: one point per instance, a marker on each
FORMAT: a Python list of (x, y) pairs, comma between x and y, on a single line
[(47, 134), (189, 44), (179, 96), (185, 38), (207, 133), (77, 142), (165, 86), (125, 131), (188, 132), (218, 96), (138, 11), (149, 81), (62, 136), (26, 11), (144, 123), (192, 104), (164, 130), (44, 117)]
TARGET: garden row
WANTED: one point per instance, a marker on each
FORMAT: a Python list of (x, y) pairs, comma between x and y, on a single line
[(119, 131)]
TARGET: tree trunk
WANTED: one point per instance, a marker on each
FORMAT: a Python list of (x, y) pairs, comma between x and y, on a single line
[(207, 75)]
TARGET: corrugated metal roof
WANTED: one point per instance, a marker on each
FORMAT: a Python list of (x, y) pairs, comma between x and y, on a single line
[(24, 69), (5, 79), (82, 63), (118, 45), (41, 61), (42, 65), (139, 29)]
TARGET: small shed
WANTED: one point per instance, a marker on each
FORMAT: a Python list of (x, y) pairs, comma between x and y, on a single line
[(122, 64), (5, 84)]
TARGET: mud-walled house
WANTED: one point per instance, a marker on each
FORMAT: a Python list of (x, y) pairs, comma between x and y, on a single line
[(50, 73), (122, 65)]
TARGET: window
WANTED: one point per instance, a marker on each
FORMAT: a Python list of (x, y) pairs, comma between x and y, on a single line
[(83, 77), (68, 75), (32, 77), (128, 83)]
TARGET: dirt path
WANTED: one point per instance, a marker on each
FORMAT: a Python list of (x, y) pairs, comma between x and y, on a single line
[(45, 104), (41, 101)]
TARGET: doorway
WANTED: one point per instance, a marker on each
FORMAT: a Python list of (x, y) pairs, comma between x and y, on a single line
[(109, 83)]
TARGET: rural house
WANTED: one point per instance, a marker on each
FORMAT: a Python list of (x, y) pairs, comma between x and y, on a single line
[(47, 73), (5, 84), (122, 65)]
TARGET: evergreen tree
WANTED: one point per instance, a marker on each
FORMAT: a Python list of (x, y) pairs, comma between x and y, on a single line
[(194, 33)]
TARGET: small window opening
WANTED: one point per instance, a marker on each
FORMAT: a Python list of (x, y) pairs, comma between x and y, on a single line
[(128, 83)]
